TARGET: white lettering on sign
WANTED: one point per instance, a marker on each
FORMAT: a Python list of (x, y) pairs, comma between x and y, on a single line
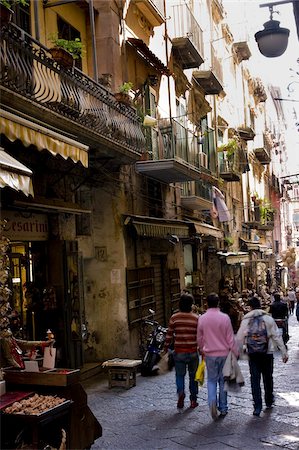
[(25, 226)]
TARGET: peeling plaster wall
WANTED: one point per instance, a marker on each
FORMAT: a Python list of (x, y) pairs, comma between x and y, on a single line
[(105, 284)]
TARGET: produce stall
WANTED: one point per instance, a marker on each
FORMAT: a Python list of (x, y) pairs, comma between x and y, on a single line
[(71, 413)]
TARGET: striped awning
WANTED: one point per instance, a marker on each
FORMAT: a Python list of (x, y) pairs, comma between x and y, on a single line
[(14, 174), (158, 228), (30, 133), (208, 230)]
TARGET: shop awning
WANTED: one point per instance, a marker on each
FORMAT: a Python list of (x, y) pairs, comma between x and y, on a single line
[(143, 50), (208, 230), (14, 127), (158, 228), (234, 257), (14, 174), (54, 205)]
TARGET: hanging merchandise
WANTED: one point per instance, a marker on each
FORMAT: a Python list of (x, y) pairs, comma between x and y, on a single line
[(220, 205)]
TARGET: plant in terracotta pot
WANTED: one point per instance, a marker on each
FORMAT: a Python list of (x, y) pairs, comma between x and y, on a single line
[(122, 96), (5, 9), (66, 51)]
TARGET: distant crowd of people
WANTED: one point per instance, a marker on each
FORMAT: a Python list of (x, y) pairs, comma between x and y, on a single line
[(251, 326)]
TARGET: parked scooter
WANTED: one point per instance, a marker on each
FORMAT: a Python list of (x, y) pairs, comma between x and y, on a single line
[(154, 347)]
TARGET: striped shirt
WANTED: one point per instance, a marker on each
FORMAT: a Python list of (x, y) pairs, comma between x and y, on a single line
[(182, 329)]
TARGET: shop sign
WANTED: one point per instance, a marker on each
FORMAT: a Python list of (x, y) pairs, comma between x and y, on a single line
[(25, 226)]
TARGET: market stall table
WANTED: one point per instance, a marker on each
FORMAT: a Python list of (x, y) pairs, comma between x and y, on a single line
[(84, 428), (40, 425)]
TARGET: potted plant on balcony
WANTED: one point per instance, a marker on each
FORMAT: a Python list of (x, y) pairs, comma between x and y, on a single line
[(66, 51), (122, 96), (228, 241), (267, 213), (230, 148), (5, 9)]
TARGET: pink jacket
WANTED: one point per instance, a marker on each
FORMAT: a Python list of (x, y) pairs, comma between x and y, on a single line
[(215, 335)]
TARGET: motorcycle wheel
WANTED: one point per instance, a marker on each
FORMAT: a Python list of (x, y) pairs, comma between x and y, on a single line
[(147, 366)]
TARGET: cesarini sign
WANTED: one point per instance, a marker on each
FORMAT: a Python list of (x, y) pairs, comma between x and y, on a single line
[(25, 226)]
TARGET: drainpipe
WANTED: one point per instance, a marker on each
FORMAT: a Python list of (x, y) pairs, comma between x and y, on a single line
[(93, 38), (167, 54), (36, 21)]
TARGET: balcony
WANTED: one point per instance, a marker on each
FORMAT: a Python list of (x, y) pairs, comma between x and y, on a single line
[(262, 155), (197, 196), (229, 168), (153, 11), (172, 154), (261, 219), (210, 80), (262, 147), (187, 39), (246, 133), (66, 100), (241, 51)]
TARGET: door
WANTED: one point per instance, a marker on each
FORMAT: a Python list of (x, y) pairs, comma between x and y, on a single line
[(66, 274), (159, 263)]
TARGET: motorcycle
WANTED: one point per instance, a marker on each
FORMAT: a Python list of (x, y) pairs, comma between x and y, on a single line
[(154, 346), (282, 325)]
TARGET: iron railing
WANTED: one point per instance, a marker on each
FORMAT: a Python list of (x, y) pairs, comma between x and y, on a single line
[(28, 70), (185, 25), (171, 139), (199, 188), (227, 165)]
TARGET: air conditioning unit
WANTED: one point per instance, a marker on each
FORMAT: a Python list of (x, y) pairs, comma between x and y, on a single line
[(203, 160)]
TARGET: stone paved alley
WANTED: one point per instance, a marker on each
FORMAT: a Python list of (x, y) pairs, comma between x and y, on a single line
[(145, 417)]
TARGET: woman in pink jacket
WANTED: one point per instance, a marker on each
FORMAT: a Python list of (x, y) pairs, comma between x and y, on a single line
[(215, 339)]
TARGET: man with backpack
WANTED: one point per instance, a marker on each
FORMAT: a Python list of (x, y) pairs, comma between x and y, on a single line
[(258, 336)]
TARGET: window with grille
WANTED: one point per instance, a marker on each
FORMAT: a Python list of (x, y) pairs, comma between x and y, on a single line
[(140, 294)]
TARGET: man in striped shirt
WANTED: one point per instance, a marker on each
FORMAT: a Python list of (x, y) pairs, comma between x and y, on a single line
[(182, 331)]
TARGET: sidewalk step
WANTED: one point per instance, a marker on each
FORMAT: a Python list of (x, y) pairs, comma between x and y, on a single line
[(89, 370)]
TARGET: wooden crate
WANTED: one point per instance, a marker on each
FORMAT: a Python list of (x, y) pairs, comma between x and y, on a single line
[(122, 372)]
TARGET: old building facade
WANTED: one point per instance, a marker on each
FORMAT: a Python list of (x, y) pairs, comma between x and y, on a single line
[(133, 202)]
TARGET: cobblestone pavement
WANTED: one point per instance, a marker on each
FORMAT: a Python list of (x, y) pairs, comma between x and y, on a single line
[(145, 417)]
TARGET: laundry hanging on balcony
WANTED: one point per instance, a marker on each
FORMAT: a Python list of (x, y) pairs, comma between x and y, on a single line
[(220, 205)]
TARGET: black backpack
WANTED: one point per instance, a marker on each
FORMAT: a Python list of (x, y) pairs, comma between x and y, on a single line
[(257, 337)]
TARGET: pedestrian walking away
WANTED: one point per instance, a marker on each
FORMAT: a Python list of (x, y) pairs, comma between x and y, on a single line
[(280, 313), (182, 330), (257, 325), (215, 339), (292, 300)]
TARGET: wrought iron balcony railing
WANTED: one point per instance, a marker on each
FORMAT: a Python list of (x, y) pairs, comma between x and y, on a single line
[(28, 72), (229, 167), (186, 27), (173, 140), (199, 189)]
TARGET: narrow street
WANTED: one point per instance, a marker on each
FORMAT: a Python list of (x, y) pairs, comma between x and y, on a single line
[(145, 417)]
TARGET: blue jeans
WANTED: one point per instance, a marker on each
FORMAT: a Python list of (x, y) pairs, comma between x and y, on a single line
[(261, 365), (182, 361), (214, 365)]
